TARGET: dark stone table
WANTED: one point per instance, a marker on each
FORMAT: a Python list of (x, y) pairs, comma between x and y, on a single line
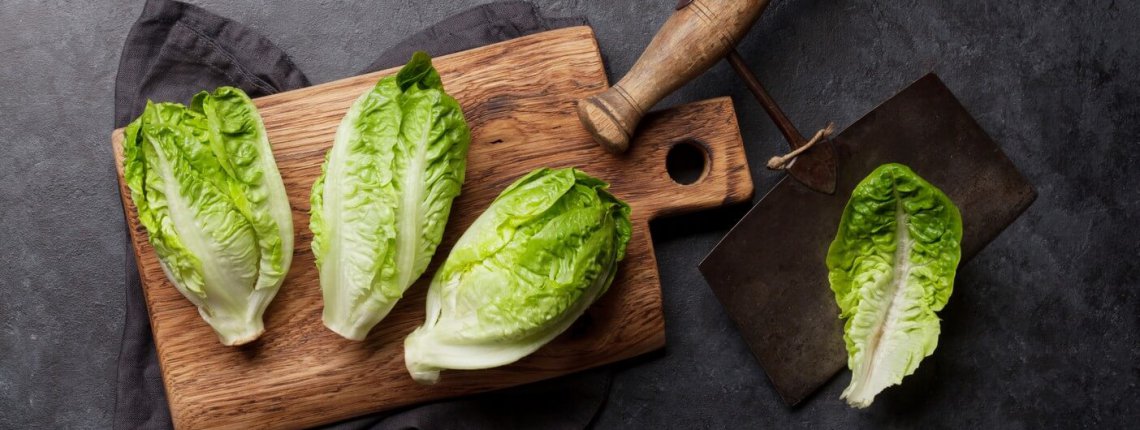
[(1042, 330)]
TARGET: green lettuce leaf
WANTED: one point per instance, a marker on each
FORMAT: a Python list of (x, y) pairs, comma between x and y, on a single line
[(384, 195), (209, 194), (892, 267), (528, 267)]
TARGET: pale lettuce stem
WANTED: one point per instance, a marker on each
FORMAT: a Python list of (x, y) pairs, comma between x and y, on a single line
[(235, 331), (356, 324)]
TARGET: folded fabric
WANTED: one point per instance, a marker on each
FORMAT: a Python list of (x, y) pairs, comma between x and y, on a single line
[(175, 50)]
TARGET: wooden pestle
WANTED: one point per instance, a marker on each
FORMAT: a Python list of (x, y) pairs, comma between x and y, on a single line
[(700, 33)]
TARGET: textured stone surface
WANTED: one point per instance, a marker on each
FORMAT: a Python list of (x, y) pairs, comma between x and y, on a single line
[(1042, 330)]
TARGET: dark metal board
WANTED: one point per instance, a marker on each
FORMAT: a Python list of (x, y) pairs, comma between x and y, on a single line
[(769, 271)]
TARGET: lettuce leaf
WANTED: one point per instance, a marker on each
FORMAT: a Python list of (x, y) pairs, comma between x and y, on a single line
[(208, 192), (529, 266), (384, 195), (892, 266)]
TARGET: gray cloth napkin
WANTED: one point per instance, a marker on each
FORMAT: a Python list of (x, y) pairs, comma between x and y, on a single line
[(175, 50)]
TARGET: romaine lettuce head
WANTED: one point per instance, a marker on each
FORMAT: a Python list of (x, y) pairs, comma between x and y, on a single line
[(209, 194), (383, 198), (892, 267), (528, 267)]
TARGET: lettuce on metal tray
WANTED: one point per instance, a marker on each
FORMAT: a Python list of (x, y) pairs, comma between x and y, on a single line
[(892, 266)]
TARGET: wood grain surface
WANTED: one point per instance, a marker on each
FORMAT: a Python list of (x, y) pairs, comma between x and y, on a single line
[(519, 99)]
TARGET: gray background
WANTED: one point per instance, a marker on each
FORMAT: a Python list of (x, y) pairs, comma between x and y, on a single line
[(1042, 328)]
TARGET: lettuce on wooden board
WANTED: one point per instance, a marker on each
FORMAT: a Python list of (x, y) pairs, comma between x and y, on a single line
[(892, 267), (208, 192), (528, 267), (384, 195)]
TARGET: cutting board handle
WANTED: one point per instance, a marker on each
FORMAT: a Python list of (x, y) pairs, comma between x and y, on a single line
[(695, 37), (706, 129)]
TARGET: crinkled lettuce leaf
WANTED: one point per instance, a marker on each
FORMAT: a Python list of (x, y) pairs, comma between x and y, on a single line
[(528, 267), (208, 192), (892, 267), (384, 195)]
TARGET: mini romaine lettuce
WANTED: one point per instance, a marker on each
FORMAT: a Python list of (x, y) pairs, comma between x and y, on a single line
[(892, 267), (528, 267), (385, 191), (208, 191)]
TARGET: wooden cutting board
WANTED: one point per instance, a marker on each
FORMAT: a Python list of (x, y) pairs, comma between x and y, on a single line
[(519, 98)]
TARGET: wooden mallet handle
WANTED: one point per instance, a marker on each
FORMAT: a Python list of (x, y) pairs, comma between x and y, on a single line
[(700, 33)]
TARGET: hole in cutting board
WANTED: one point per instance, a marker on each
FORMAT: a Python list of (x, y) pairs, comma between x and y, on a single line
[(687, 162)]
